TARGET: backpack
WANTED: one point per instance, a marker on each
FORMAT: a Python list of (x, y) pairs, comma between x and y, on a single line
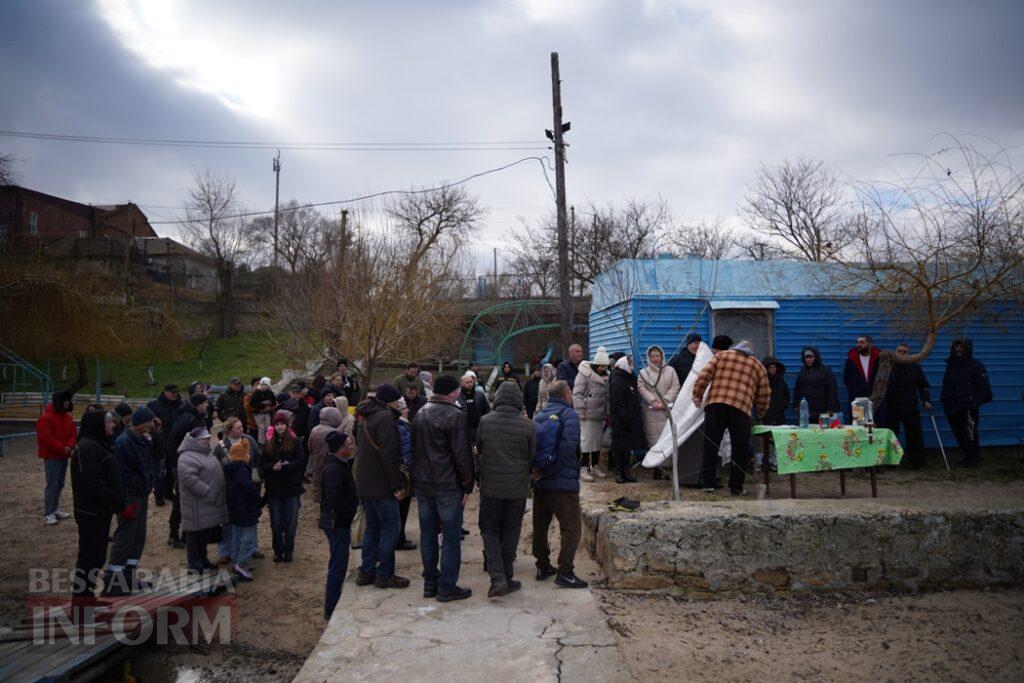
[(549, 432)]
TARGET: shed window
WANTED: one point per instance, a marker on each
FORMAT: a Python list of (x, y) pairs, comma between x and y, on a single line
[(33, 223), (753, 324)]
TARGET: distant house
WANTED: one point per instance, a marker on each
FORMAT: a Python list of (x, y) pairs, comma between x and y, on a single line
[(30, 219), (171, 262)]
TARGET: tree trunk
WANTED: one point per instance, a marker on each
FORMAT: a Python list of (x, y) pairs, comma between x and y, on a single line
[(83, 376), (225, 301)]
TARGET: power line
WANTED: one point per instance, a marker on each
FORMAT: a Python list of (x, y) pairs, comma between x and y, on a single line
[(247, 214), (379, 146)]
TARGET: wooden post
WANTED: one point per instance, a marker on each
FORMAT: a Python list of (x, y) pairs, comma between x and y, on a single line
[(874, 483), (564, 293), (792, 486), (842, 482)]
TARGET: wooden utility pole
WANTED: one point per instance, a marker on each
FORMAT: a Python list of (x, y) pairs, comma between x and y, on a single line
[(277, 194), (496, 292), (564, 290), (343, 241)]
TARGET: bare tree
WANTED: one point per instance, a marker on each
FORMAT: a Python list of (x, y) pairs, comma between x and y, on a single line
[(306, 238), (797, 205), (534, 262), (940, 246), (709, 240), (213, 228), (8, 176)]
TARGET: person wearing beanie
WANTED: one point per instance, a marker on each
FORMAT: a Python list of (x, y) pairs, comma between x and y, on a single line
[(338, 505), (264, 404), (124, 414), (133, 449), (166, 407), (442, 475), (188, 418), (327, 400), (283, 467), (232, 434), (380, 485), (682, 362), (739, 383), (55, 437), (428, 383), (722, 342), (590, 400), (243, 500), (202, 492)]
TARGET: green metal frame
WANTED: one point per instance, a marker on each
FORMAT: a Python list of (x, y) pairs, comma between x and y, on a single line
[(492, 322)]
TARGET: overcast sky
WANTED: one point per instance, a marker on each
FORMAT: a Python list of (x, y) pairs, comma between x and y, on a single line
[(678, 98)]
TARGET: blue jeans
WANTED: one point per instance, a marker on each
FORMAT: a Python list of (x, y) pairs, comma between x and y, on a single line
[(284, 520), (379, 537), (243, 543), (56, 471), (441, 514), (337, 565)]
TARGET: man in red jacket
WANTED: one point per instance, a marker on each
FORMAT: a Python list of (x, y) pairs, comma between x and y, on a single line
[(55, 434)]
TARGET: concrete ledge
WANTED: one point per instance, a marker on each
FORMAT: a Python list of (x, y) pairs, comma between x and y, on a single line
[(799, 545)]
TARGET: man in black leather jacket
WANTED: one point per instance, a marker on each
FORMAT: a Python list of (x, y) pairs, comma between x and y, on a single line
[(442, 473)]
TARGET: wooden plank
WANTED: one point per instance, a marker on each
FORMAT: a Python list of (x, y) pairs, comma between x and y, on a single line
[(60, 665)]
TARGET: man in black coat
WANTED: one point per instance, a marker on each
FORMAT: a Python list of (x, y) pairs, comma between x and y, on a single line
[(817, 383), (414, 400), (965, 388), (626, 417), (165, 407), (531, 393), (349, 384), (231, 402), (98, 491), (379, 484), (907, 390), (860, 370), (338, 505), (682, 362)]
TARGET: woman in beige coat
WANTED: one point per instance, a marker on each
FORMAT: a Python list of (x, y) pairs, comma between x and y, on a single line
[(590, 400), (547, 378), (658, 375)]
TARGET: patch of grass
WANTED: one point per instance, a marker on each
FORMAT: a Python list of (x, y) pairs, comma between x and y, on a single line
[(246, 356)]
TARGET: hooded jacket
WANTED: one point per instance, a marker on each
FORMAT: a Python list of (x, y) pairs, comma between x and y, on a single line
[(965, 384), (817, 384), (287, 481), (564, 473), (442, 460), (378, 451), (201, 487), (231, 403), (624, 407), (243, 498), (55, 429), (776, 414), (547, 378), (506, 443), (857, 385), (590, 393), (330, 421), (531, 394), (338, 500), (664, 378), (95, 476)]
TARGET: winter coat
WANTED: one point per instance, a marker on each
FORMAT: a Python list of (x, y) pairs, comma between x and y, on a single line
[(506, 443), (402, 381), (405, 442), (231, 403), (250, 419), (96, 482), (907, 389), (134, 454), (564, 473), (857, 385), (665, 379), (349, 389), (531, 395), (548, 376), (55, 431), (263, 401), (965, 383), (442, 459), (348, 423), (201, 487), (776, 414), (624, 406), (338, 499), (590, 393), (682, 363), (166, 410), (415, 405), (818, 385), (474, 404), (330, 421), (378, 451), (186, 420), (242, 494), (502, 378), (567, 372), (300, 410), (288, 480)]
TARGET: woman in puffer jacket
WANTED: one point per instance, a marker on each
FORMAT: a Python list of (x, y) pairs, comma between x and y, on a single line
[(657, 378), (547, 378), (590, 400), (203, 494)]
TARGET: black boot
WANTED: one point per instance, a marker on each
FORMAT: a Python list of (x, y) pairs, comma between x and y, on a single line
[(175, 540)]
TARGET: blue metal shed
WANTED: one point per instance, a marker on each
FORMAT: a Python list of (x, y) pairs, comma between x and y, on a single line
[(783, 306)]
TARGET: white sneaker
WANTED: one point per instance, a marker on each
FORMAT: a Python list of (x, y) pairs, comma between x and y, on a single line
[(50, 519), (585, 474), (598, 472), (61, 514)]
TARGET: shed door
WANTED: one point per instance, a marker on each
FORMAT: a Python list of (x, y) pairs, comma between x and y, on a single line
[(754, 325)]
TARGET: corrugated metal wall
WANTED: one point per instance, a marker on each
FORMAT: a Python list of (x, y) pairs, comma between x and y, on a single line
[(833, 327)]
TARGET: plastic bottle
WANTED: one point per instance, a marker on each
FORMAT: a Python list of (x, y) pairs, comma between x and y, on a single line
[(805, 414)]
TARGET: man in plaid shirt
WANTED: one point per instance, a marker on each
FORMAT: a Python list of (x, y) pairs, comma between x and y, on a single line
[(737, 380)]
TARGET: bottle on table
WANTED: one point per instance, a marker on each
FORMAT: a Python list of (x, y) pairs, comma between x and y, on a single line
[(805, 414)]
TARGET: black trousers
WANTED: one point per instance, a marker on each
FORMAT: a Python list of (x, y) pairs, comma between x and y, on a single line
[(718, 419), (93, 536), (501, 521), (913, 438), (195, 548), (622, 462), (403, 511), (965, 429)]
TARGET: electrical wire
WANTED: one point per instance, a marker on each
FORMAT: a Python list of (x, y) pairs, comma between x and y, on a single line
[(247, 214)]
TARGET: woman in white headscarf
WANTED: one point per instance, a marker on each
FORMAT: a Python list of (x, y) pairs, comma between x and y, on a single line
[(657, 379)]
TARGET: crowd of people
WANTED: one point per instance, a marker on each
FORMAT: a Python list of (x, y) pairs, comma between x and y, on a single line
[(435, 441)]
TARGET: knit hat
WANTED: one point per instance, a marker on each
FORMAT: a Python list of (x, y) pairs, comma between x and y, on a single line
[(692, 337), (171, 387), (335, 441), (601, 357), (123, 409), (142, 415), (387, 393), (721, 343), (445, 384), (265, 380), (282, 416), (239, 452), (200, 433), (624, 364), (197, 399)]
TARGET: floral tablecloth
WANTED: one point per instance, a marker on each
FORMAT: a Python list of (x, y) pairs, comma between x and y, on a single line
[(818, 450)]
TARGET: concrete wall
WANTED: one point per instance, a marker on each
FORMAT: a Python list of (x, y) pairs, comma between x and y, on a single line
[(772, 546)]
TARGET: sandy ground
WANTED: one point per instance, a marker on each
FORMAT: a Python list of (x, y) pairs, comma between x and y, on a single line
[(944, 636)]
